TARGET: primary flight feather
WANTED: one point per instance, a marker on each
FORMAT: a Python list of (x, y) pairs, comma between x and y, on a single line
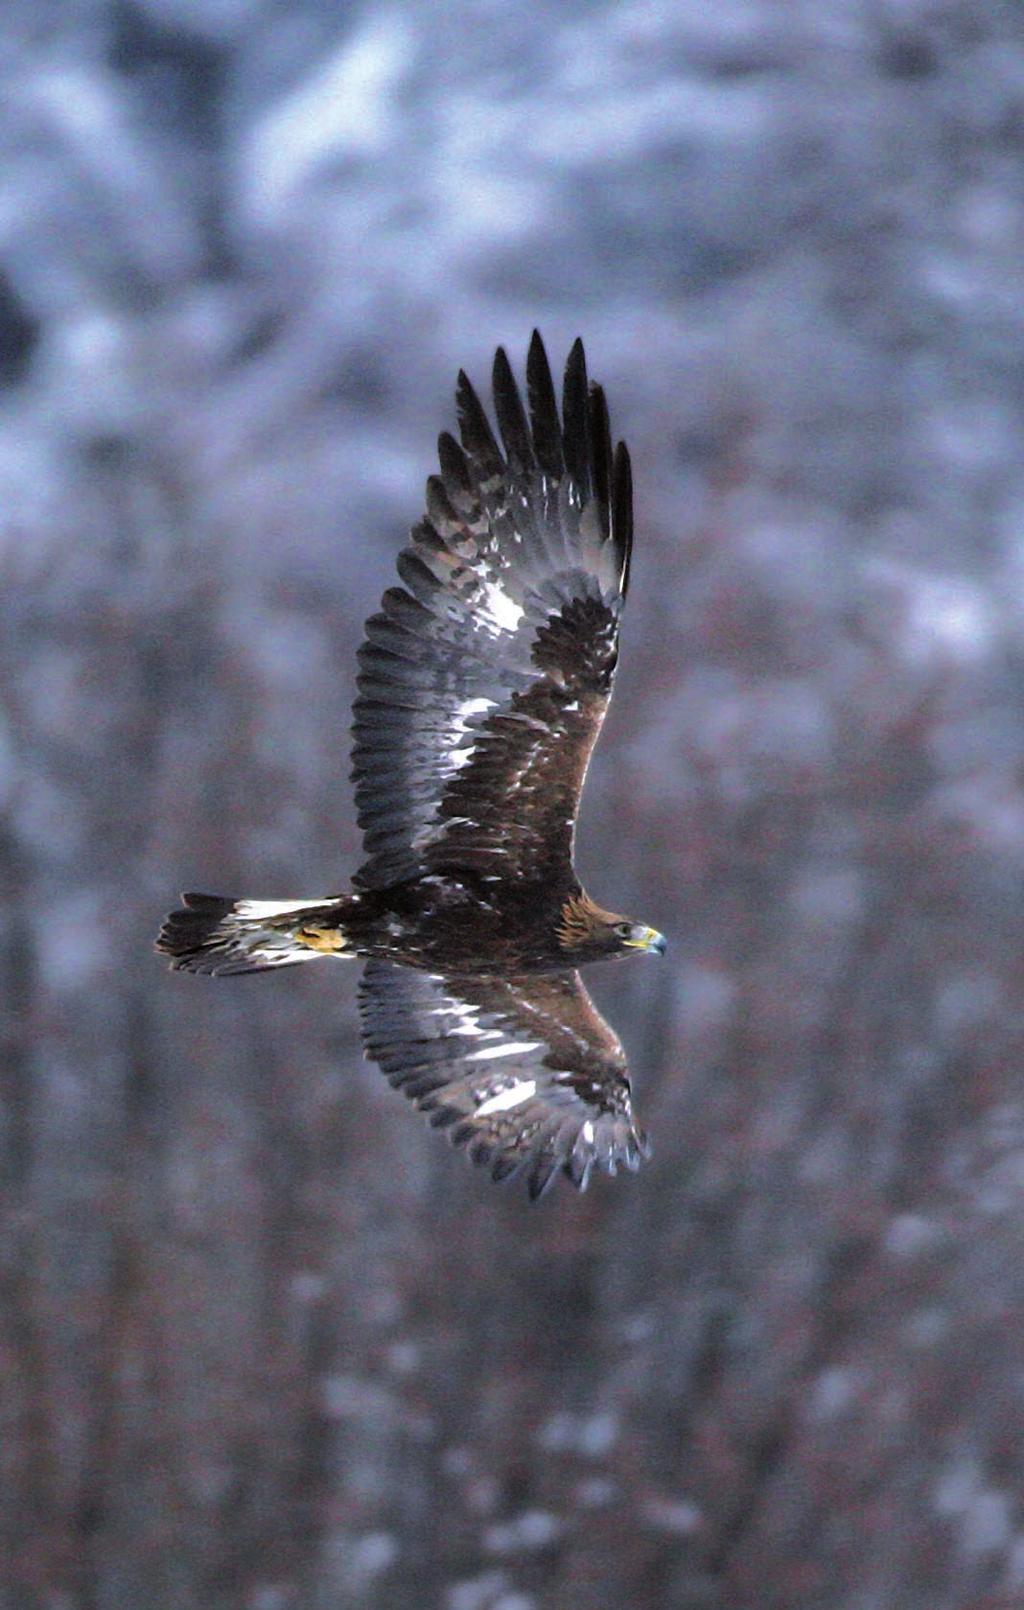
[(483, 684)]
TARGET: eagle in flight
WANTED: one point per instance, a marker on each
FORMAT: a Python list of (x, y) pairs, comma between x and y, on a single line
[(483, 684)]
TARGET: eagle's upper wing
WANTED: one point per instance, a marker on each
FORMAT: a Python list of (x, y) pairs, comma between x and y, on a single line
[(524, 1072), (484, 681)]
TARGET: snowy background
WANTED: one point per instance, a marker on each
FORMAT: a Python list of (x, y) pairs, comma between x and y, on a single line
[(265, 1343)]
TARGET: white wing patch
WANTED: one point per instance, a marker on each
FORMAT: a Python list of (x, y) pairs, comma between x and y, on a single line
[(472, 707), (516, 1049), (464, 736), (257, 910), (503, 610), (465, 1016), (288, 954), (514, 1096)]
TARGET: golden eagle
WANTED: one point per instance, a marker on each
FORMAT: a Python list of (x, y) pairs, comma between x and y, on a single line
[(483, 684)]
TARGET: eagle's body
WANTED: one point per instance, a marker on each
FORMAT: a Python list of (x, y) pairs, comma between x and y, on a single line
[(483, 684), (446, 919)]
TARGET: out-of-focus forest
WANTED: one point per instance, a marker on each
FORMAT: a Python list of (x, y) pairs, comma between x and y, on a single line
[(265, 1342)]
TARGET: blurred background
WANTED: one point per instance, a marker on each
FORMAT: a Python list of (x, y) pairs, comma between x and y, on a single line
[(265, 1342)]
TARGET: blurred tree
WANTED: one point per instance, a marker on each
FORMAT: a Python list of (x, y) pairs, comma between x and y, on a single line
[(263, 1344)]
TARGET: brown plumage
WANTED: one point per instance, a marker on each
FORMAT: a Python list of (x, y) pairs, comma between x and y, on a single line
[(483, 684)]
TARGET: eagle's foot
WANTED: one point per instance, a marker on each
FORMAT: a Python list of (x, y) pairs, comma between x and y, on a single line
[(327, 940)]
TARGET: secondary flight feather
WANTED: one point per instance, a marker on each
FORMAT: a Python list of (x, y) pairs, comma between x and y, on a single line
[(483, 684)]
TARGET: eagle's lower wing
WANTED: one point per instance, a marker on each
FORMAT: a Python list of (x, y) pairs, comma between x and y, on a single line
[(524, 1072), (484, 681)]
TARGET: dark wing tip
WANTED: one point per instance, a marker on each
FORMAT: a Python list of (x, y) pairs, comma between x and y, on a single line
[(576, 369), (508, 406), (601, 444), (466, 399), (542, 1176), (546, 426), (475, 428), (622, 510), (576, 420), (452, 461)]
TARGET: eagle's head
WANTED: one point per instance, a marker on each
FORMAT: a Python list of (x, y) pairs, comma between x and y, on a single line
[(585, 932)]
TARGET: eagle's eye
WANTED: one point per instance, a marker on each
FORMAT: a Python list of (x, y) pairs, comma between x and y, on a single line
[(623, 929)]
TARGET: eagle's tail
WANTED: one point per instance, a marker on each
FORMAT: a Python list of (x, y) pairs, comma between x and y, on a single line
[(208, 934)]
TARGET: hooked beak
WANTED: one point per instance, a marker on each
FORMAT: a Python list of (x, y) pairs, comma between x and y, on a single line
[(649, 939)]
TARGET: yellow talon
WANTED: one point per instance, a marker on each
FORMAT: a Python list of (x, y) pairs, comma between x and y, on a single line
[(328, 940)]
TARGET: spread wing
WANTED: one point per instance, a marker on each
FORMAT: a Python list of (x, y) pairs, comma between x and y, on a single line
[(484, 680), (524, 1073)]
